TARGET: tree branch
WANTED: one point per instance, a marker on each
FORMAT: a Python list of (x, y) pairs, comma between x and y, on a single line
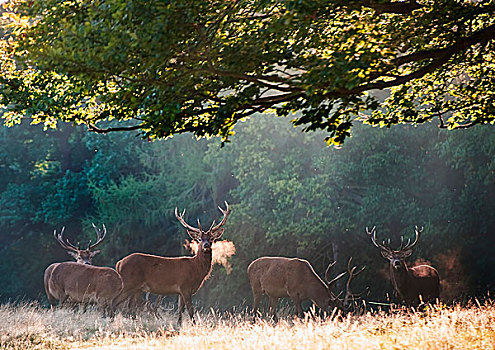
[(403, 7), (397, 7), (439, 57), (98, 130), (273, 100), (480, 37)]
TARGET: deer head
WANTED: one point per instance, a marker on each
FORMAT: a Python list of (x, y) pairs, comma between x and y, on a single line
[(83, 256), (353, 271), (335, 300), (205, 238), (349, 297), (396, 257)]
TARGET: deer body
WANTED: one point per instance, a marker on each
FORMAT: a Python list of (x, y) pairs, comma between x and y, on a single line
[(171, 275), (295, 278), (411, 284), (52, 299), (80, 281), (164, 275)]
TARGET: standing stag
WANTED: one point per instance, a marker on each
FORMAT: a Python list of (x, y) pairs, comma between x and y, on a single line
[(80, 281), (280, 277), (411, 284), (167, 276)]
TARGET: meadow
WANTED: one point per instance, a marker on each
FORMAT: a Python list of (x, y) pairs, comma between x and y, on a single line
[(30, 326)]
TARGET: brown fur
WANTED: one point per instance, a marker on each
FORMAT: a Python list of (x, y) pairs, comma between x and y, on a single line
[(164, 276), (280, 277), (80, 281), (75, 282), (411, 283)]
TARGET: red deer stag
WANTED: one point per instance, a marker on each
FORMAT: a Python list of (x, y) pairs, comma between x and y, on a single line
[(167, 276), (411, 284), (80, 281), (295, 278)]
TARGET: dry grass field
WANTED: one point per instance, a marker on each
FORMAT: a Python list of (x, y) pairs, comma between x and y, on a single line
[(29, 326)]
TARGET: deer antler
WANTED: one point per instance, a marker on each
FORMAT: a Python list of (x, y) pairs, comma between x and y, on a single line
[(217, 231), (402, 243), (409, 245), (328, 270), (193, 232), (335, 279), (66, 245), (372, 235), (100, 236), (349, 295)]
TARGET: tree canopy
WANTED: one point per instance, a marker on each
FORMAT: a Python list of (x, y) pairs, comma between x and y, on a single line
[(201, 66)]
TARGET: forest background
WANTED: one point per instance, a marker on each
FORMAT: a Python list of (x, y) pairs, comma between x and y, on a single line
[(290, 195)]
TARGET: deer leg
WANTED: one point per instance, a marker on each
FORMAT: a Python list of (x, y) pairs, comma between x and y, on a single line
[(257, 294), (138, 302), (153, 308), (148, 302), (101, 305), (118, 300), (189, 306), (158, 302), (181, 308), (273, 308), (123, 296), (51, 300), (108, 309), (297, 302), (256, 303), (54, 302), (63, 300), (135, 303)]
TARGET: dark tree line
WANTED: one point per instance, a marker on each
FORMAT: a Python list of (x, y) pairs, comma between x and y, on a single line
[(290, 195)]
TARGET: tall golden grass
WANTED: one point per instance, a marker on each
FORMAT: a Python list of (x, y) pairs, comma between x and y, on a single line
[(30, 326)]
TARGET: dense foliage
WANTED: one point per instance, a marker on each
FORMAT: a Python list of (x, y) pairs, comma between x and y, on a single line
[(201, 66), (290, 195)]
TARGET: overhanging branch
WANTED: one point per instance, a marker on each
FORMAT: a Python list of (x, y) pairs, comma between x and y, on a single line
[(397, 7), (480, 37), (98, 130), (438, 58)]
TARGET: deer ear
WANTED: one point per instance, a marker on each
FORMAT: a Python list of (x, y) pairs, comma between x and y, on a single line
[(194, 235), (386, 254), (218, 234), (94, 253), (406, 253), (73, 254)]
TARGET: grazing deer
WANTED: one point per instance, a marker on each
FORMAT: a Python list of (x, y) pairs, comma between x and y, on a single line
[(411, 284), (80, 281), (167, 276), (295, 278)]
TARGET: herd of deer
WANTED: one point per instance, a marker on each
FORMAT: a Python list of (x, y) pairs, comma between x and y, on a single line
[(277, 277)]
